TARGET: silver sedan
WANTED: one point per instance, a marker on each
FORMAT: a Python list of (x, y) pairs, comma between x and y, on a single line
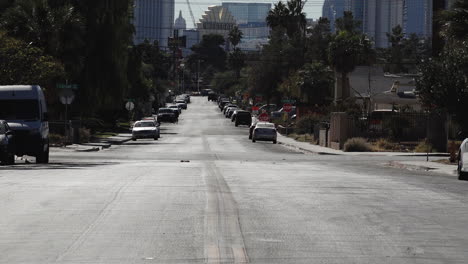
[(264, 131)]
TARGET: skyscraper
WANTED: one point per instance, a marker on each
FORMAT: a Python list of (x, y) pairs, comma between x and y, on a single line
[(153, 20), (378, 17), (180, 22), (333, 9), (251, 18), (418, 18)]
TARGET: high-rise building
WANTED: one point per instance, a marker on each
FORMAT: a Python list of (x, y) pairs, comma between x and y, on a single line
[(378, 17), (180, 23), (250, 18), (333, 9), (153, 20), (418, 18), (216, 20)]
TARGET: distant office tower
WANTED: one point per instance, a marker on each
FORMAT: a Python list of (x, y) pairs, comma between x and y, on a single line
[(153, 20), (333, 9), (251, 18), (418, 18), (216, 20), (180, 23), (379, 17)]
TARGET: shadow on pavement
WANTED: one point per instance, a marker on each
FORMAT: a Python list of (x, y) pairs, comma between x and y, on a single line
[(55, 166)]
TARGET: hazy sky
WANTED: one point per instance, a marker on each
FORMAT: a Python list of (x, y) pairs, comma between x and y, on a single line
[(313, 7)]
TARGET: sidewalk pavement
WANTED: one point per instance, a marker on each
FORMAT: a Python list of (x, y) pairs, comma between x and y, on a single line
[(100, 144), (409, 165), (426, 166), (305, 146)]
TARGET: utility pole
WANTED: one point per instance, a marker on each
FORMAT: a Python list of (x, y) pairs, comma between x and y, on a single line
[(198, 75)]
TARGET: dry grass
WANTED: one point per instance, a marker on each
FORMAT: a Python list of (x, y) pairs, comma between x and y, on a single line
[(357, 145), (303, 138)]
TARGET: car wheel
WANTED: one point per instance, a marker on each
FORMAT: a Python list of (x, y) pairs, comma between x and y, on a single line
[(133, 139), (253, 140), (274, 142), (155, 138), (463, 176), (43, 157), (10, 160), (237, 125)]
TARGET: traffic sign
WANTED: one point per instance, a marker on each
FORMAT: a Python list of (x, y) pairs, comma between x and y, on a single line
[(264, 117), (67, 86), (287, 108), (67, 96), (288, 101), (130, 106)]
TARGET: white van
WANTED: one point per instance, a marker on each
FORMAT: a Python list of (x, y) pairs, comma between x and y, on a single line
[(25, 110)]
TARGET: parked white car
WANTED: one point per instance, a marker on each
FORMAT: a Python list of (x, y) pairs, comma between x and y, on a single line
[(264, 131), (145, 129), (463, 161)]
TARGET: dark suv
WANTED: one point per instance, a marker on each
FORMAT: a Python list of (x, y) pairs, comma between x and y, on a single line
[(243, 118), (7, 150)]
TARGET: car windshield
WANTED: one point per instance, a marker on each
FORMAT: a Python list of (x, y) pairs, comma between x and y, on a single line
[(165, 110), (243, 113), (145, 124), (19, 109), (173, 106)]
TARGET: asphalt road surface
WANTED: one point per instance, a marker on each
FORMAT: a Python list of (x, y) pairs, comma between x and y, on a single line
[(204, 193)]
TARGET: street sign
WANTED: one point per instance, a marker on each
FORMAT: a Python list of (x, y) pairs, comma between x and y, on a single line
[(130, 106), (255, 110), (288, 101), (67, 86), (67, 100), (264, 117), (287, 108), (67, 96)]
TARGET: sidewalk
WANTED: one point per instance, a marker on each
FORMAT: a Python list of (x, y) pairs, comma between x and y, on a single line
[(305, 146), (100, 144), (426, 166)]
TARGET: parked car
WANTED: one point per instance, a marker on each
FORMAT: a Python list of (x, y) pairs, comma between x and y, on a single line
[(155, 120), (463, 161), (279, 113), (24, 108), (145, 129), (167, 115), (226, 107), (264, 131), (268, 108), (178, 108), (252, 127), (182, 104), (223, 103), (212, 96), (243, 118), (7, 148), (228, 112)]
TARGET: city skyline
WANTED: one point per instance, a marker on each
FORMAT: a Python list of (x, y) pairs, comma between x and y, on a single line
[(313, 8)]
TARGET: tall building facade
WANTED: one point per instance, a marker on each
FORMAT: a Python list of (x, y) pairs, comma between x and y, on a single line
[(250, 18), (216, 20), (333, 9), (378, 17), (153, 20), (418, 17), (180, 23)]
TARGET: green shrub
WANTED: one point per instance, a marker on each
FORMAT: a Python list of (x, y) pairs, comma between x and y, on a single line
[(57, 139), (424, 147), (385, 145), (306, 124), (357, 145), (85, 135)]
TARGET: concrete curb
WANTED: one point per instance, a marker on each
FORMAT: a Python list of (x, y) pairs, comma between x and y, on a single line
[(308, 150), (438, 168)]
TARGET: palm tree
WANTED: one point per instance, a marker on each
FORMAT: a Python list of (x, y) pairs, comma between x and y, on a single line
[(455, 22), (235, 36), (344, 55)]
